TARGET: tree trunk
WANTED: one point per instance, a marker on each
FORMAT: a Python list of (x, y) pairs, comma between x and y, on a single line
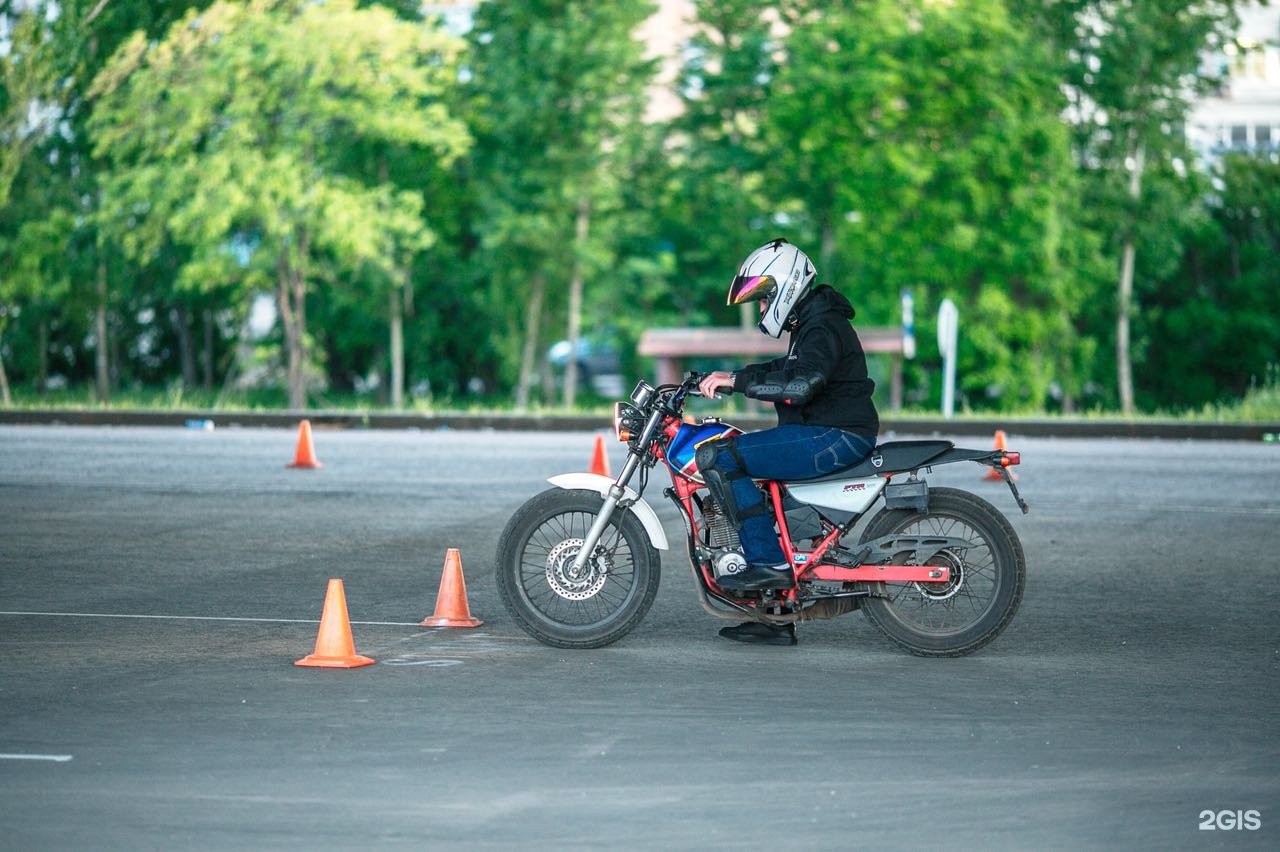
[(5, 399), (42, 361), (575, 301), (292, 295), (186, 346), (297, 345), (102, 361), (1124, 300), (827, 249), (397, 348), (396, 318), (532, 319), (207, 318), (284, 306)]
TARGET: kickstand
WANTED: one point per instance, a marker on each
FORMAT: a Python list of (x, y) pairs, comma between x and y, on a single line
[(1022, 504)]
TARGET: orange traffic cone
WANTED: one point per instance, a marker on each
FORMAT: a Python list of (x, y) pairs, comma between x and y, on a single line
[(992, 473), (335, 648), (600, 461), (306, 454), (451, 602)]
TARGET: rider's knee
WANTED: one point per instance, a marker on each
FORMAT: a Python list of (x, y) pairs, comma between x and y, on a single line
[(720, 454), (707, 456)]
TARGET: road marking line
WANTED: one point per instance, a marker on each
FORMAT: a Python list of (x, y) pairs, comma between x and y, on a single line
[(206, 618), (432, 663), (56, 758)]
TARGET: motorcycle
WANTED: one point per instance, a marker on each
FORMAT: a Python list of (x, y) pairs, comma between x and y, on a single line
[(939, 571)]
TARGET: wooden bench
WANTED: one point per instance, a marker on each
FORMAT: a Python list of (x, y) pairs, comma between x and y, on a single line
[(670, 346)]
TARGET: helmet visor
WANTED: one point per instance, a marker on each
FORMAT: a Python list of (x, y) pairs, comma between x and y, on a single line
[(748, 287)]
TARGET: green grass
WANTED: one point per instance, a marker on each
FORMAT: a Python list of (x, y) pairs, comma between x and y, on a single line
[(177, 399), (1260, 404)]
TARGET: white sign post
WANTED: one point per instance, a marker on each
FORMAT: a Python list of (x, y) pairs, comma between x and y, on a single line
[(948, 331), (908, 326)]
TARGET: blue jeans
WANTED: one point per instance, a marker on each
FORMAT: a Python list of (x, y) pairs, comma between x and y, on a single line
[(784, 453)]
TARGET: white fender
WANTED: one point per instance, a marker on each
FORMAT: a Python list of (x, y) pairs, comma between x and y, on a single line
[(602, 484)]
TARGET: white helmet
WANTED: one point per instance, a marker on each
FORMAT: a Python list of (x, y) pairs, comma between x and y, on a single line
[(777, 273)]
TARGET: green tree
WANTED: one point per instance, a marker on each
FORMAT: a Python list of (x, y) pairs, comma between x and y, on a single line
[(717, 153), (557, 91), (39, 39), (1132, 68), (54, 51), (920, 145), (1214, 318), (229, 137)]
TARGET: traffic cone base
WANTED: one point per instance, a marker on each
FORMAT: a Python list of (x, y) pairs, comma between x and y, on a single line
[(600, 460), (445, 621), (993, 474), (305, 455), (451, 602), (335, 649), (354, 661)]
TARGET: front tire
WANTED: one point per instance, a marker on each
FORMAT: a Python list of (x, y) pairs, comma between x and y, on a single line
[(987, 578), (538, 587)]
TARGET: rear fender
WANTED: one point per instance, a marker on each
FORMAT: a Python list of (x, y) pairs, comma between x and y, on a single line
[(601, 485)]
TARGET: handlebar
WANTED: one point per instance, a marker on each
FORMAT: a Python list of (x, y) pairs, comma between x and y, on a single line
[(691, 381)]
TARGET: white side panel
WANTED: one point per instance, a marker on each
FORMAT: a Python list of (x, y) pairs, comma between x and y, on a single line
[(601, 484), (848, 495)]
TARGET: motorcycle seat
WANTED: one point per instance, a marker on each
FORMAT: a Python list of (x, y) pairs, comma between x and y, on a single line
[(893, 457)]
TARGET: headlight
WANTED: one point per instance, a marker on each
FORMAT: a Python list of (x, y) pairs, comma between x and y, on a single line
[(627, 421)]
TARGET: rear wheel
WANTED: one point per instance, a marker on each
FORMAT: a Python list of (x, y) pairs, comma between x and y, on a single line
[(558, 606), (987, 577)]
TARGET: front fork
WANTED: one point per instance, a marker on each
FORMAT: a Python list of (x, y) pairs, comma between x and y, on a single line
[(616, 491), (611, 500)]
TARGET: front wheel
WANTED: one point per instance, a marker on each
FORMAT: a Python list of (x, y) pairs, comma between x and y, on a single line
[(987, 577), (548, 599)]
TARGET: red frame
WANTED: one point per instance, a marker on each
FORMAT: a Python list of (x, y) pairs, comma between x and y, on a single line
[(806, 564)]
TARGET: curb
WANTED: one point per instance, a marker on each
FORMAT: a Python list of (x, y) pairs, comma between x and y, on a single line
[(1164, 430)]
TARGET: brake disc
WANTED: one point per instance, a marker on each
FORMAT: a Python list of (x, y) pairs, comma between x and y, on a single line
[(576, 585)]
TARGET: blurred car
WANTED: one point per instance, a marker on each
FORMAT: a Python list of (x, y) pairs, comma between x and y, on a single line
[(599, 365)]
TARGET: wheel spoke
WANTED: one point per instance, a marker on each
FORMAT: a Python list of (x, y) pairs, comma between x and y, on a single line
[(608, 582), (947, 608)]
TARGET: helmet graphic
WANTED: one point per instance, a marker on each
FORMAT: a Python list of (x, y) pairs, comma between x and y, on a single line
[(777, 273)]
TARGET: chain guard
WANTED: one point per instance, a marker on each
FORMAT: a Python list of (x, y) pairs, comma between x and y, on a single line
[(898, 549)]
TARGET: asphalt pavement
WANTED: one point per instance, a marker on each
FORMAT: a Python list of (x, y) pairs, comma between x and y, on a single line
[(157, 583)]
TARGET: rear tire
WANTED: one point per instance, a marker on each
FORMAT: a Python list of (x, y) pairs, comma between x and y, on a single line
[(937, 620), (537, 585)]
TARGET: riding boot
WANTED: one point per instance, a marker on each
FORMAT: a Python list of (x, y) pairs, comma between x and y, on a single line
[(758, 633), (756, 577)]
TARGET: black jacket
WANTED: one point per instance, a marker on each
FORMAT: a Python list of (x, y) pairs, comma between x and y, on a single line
[(822, 380)]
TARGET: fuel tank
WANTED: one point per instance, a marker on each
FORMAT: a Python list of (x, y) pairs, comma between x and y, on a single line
[(684, 445)]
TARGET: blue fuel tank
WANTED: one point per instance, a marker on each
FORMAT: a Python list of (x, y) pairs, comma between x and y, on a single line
[(684, 445)]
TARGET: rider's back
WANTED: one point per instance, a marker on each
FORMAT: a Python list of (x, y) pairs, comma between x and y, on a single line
[(823, 334)]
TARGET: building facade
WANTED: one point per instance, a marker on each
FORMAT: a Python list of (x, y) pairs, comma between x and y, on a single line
[(1244, 115)]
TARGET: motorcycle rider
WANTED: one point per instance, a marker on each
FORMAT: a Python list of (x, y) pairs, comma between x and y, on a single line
[(822, 395)]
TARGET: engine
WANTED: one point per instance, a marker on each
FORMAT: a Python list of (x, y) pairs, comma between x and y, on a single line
[(720, 532), (722, 538)]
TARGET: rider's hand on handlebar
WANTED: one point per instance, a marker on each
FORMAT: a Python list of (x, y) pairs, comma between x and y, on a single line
[(712, 382)]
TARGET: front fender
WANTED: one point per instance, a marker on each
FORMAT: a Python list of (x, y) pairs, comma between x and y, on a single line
[(602, 484)]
